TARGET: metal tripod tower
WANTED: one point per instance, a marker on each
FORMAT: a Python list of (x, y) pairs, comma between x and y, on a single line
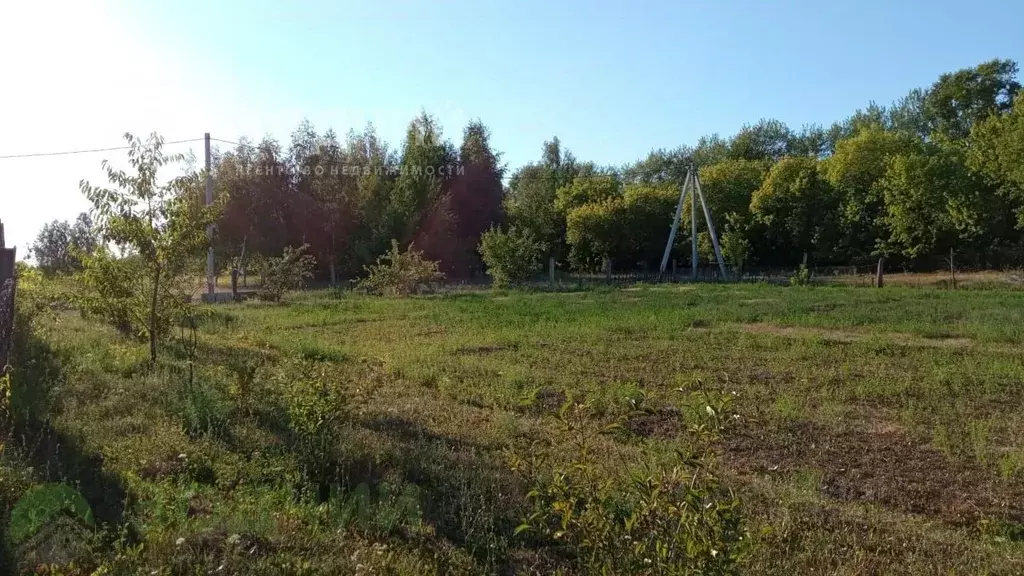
[(692, 186)]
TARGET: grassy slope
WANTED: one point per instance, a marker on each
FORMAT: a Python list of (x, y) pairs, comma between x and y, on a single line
[(881, 430)]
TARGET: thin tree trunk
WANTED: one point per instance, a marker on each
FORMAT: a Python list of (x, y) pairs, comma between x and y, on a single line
[(152, 316), (952, 268)]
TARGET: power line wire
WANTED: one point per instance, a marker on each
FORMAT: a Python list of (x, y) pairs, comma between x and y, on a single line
[(67, 152)]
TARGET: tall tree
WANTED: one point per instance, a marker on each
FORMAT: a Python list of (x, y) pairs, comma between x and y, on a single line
[(530, 203), (60, 246), (474, 200), (997, 152), (961, 99), (798, 209), (854, 170)]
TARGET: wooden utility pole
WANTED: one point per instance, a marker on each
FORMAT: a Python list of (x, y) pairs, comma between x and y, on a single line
[(209, 229)]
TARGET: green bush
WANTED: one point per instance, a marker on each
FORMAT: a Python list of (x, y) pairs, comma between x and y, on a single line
[(288, 272), (398, 273), (394, 505), (802, 277), (316, 409), (119, 292), (511, 257)]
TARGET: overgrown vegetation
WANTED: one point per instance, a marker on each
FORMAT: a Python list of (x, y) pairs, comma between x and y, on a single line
[(289, 271), (512, 256), (356, 434), (399, 273)]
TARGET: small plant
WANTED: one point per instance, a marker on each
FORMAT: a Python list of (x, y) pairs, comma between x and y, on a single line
[(398, 273), (290, 271), (802, 277), (204, 409), (316, 409), (43, 505), (512, 257), (650, 520)]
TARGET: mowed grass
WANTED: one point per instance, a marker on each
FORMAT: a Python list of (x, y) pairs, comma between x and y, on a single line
[(880, 431)]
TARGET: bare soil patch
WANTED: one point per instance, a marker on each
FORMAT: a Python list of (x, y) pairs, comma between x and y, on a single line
[(664, 423), (486, 349), (848, 336), (879, 463)]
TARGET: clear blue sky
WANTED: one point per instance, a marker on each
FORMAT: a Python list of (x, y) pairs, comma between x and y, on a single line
[(612, 79)]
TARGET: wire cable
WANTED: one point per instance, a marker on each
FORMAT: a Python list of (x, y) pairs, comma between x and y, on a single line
[(67, 152)]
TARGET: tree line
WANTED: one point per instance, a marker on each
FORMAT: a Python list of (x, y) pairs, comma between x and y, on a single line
[(939, 170)]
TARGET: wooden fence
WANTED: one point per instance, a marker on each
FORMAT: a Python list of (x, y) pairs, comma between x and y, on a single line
[(7, 289)]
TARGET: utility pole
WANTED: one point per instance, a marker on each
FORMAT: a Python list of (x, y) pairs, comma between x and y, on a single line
[(693, 225), (675, 223), (209, 229), (691, 185), (711, 230)]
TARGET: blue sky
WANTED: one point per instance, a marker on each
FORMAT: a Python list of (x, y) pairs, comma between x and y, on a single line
[(612, 79)]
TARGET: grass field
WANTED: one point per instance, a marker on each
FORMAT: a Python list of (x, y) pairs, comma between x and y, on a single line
[(878, 431)]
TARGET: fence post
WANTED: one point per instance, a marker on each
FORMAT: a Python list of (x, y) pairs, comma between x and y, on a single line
[(879, 276), (234, 284), (7, 258), (608, 270), (551, 270), (7, 289)]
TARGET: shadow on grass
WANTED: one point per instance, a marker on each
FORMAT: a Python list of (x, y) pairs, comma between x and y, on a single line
[(469, 495), (52, 455)]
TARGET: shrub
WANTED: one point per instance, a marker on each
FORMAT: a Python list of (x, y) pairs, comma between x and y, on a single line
[(511, 257), (287, 272), (316, 408), (119, 292), (44, 503), (802, 277), (398, 273)]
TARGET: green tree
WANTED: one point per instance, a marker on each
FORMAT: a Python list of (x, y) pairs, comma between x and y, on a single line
[(60, 246), (959, 100), (854, 170), (997, 152), (798, 209), (587, 188), (766, 140), (512, 256), (161, 224), (421, 184), (530, 202)]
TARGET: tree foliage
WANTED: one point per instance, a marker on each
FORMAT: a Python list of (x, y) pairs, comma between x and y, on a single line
[(162, 229), (842, 193), (61, 246), (512, 256)]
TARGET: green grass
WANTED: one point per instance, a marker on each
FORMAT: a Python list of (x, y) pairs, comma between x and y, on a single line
[(880, 431)]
